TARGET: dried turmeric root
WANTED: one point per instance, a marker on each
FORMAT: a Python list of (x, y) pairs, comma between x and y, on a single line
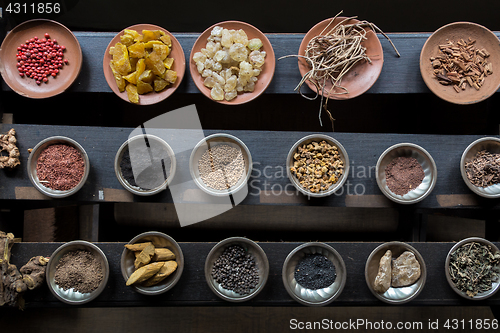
[(144, 256), (137, 246), (34, 272), (8, 143), (163, 254), (144, 273), (168, 268)]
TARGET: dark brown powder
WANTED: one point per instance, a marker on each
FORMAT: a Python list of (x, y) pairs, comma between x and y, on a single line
[(60, 167), (403, 174), (79, 270)]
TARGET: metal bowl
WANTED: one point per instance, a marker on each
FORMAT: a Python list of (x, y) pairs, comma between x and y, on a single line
[(71, 296), (311, 297), (264, 78), (425, 160), (479, 296), (254, 250), (139, 142), (490, 144), (212, 141), (33, 158), (394, 295), (158, 239), (306, 140)]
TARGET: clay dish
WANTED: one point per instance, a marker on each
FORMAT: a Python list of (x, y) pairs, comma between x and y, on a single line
[(361, 76), (265, 77), (179, 66), (453, 32), (490, 144), (25, 86)]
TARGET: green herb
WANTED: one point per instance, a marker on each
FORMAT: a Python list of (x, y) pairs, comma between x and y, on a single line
[(474, 268)]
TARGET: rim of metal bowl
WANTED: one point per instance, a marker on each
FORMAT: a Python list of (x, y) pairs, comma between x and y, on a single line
[(472, 187), (242, 181), (342, 276), (392, 196), (134, 189), (422, 279), (332, 189), (153, 290), (447, 272), (51, 265), (225, 243), (33, 157)]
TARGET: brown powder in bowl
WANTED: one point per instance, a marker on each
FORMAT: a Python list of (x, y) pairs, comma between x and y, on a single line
[(79, 270), (403, 174), (60, 167)]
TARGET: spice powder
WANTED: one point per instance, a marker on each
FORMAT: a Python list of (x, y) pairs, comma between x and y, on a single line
[(404, 174), (60, 167)]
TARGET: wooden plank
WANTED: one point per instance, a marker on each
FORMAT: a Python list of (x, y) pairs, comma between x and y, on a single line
[(269, 184), (399, 75), (192, 288)]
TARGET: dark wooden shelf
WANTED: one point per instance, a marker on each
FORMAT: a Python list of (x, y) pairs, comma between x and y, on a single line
[(399, 75), (269, 184), (192, 289)]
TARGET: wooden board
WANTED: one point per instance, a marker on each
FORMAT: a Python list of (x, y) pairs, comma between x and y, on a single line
[(399, 75), (269, 184), (192, 289)]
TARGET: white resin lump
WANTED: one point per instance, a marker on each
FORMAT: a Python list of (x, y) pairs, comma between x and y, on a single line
[(230, 63)]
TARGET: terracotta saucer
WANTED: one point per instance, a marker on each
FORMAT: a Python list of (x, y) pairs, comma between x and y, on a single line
[(265, 77), (153, 97), (25, 86), (362, 76), (453, 32)]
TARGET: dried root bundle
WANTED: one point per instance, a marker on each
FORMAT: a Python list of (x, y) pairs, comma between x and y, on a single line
[(331, 55)]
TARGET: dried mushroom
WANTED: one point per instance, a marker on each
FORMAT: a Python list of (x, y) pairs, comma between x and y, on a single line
[(317, 166)]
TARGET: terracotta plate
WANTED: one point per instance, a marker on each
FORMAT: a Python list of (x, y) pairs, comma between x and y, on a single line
[(454, 32), (25, 86), (362, 76), (153, 97), (265, 76)]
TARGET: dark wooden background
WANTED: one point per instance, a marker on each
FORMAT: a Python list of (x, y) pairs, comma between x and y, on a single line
[(398, 108)]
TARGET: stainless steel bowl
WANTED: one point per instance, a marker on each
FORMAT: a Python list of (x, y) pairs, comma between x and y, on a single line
[(158, 239), (139, 142), (425, 160), (394, 295), (71, 296), (479, 296), (490, 144), (33, 158), (306, 140), (311, 297), (210, 142), (254, 250)]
